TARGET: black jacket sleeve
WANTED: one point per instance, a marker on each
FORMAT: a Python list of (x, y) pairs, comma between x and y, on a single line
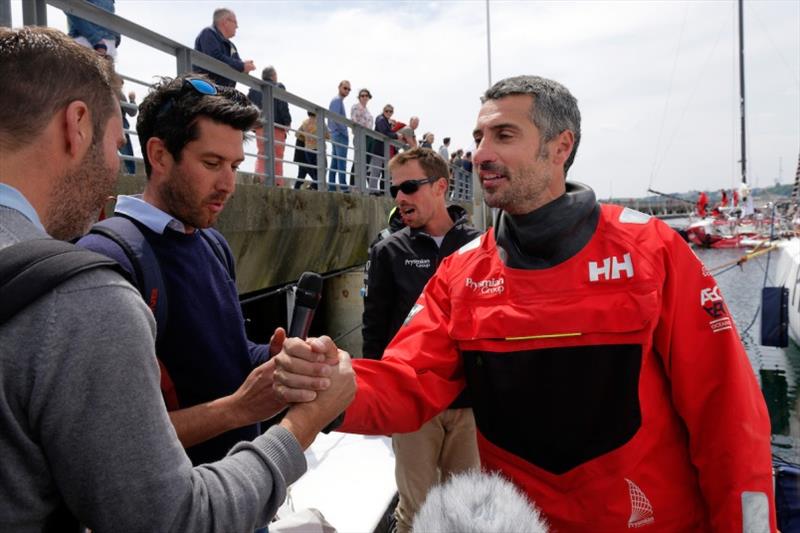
[(377, 303), (281, 109)]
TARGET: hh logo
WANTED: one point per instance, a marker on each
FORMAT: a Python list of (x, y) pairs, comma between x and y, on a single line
[(611, 268)]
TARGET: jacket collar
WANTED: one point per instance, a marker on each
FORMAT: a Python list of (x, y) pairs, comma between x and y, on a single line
[(551, 234), (457, 214)]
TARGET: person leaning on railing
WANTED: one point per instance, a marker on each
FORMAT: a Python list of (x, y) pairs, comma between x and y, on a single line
[(307, 133), (282, 120)]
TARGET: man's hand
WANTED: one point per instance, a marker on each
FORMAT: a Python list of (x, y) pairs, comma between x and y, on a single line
[(255, 400), (304, 367), (305, 420), (276, 341), (249, 66)]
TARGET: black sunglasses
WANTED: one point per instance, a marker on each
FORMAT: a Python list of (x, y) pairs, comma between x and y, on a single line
[(197, 85), (410, 186)]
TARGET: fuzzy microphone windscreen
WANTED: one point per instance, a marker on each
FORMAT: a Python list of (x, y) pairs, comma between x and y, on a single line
[(478, 502)]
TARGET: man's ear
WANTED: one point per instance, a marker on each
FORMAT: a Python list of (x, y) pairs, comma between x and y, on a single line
[(561, 147), (78, 130), (158, 155), (442, 185)]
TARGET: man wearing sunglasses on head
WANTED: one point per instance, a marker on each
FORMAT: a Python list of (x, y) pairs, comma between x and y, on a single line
[(400, 266), (216, 383)]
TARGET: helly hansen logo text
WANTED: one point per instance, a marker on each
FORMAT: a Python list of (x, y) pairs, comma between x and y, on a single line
[(611, 268), (418, 263), (487, 286)]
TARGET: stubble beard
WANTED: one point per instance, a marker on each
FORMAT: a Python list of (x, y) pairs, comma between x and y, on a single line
[(183, 203), (524, 189), (78, 197)]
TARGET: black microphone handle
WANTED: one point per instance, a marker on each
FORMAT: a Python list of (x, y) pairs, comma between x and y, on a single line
[(301, 321)]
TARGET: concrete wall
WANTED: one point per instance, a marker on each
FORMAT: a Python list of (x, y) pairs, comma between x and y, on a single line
[(278, 233)]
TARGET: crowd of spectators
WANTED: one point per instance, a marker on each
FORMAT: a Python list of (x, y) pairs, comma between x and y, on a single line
[(215, 41)]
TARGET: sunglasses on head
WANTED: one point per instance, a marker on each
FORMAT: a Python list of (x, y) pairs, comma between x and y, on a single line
[(410, 186), (196, 85)]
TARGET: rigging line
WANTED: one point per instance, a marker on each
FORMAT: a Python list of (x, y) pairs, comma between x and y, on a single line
[(289, 286), (669, 94), (685, 109), (753, 321), (777, 51)]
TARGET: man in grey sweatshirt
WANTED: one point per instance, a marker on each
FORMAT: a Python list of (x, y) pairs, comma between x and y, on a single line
[(84, 434)]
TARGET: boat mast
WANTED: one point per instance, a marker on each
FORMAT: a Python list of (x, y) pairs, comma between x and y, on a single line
[(741, 89)]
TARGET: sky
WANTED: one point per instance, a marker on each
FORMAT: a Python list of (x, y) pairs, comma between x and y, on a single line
[(657, 81)]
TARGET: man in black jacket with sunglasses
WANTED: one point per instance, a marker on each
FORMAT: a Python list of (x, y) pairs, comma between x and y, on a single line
[(400, 266)]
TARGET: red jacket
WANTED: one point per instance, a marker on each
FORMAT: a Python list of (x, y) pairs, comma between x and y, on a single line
[(613, 387)]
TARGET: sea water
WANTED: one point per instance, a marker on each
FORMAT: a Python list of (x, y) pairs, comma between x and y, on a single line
[(777, 369)]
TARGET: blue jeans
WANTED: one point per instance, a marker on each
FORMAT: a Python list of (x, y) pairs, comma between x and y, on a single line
[(339, 161)]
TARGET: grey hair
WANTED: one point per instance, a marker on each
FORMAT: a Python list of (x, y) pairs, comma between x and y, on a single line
[(221, 13), (554, 109), (268, 73)]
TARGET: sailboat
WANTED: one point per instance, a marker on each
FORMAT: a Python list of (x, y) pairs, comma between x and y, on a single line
[(732, 226)]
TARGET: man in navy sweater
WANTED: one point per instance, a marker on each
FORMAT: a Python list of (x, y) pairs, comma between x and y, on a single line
[(215, 41), (191, 135)]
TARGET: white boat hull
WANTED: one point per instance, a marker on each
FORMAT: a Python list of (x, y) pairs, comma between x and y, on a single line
[(787, 274)]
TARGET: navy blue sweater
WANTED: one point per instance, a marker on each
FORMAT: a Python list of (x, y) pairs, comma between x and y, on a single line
[(204, 346)]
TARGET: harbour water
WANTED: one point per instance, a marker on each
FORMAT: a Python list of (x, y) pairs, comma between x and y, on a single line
[(777, 369)]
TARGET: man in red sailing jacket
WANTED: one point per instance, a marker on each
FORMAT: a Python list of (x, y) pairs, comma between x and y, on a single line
[(607, 377)]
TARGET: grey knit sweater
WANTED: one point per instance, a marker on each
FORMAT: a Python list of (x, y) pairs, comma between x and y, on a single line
[(83, 425)]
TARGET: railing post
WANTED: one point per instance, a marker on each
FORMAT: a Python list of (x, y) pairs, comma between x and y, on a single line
[(183, 57), (5, 13), (34, 13), (268, 112), (322, 178), (360, 158), (387, 146)]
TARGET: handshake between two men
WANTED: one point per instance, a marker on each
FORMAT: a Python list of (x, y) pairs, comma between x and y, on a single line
[(317, 380)]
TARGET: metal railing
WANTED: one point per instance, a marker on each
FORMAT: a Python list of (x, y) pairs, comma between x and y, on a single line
[(366, 170)]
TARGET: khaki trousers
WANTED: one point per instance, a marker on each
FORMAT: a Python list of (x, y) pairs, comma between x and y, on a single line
[(445, 445)]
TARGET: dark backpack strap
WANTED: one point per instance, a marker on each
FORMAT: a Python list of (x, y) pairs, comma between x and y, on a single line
[(147, 270), (31, 269), (217, 243), (125, 233)]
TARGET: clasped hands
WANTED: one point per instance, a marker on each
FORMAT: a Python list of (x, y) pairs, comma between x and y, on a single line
[(316, 379)]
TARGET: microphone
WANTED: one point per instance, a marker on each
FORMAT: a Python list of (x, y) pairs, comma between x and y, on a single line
[(306, 298)]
